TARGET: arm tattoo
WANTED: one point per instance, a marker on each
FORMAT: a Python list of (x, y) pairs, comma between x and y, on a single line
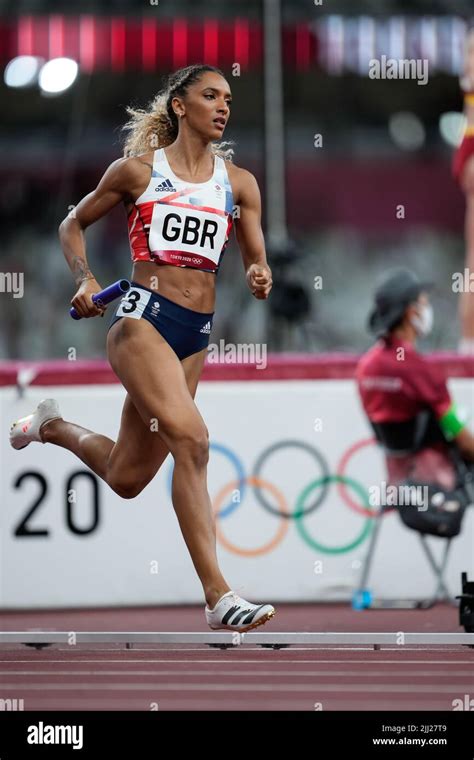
[(81, 270)]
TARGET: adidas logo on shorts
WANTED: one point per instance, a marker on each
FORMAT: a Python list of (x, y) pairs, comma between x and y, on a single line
[(166, 185), (206, 329)]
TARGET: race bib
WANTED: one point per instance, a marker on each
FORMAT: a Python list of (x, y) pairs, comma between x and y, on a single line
[(133, 303), (187, 230)]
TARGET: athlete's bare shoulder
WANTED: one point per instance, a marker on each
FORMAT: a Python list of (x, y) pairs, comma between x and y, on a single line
[(129, 174), (144, 159), (131, 167), (243, 182), (240, 174)]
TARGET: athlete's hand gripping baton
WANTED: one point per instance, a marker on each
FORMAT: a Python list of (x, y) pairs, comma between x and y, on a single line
[(105, 296)]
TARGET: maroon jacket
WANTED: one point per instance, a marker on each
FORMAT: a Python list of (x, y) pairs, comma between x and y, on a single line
[(395, 383)]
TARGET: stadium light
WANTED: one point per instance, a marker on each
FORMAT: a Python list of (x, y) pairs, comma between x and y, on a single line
[(58, 75), (22, 71), (406, 130), (451, 126)]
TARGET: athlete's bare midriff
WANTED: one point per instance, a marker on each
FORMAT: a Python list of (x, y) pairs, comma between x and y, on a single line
[(185, 286)]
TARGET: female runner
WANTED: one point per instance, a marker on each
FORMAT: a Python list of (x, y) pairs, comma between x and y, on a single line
[(179, 189)]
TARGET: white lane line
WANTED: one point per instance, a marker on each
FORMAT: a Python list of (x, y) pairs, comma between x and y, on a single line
[(233, 702), (387, 648), (455, 649), (244, 673), (216, 703), (386, 688), (206, 661)]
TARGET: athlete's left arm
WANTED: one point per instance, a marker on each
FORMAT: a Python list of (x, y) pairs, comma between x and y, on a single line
[(249, 234)]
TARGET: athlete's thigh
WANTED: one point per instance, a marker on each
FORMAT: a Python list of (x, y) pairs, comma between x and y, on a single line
[(192, 367), (138, 443), (173, 383)]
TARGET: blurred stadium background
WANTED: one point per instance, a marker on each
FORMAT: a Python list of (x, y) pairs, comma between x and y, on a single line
[(384, 143), (336, 154)]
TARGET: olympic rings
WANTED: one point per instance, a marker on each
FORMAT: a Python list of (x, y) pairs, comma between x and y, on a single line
[(295, 444), (299, 514), (281, 532), (340, 470), (283, 511)]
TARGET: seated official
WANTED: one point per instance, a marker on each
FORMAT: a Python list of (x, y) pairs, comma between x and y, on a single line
[(397, 385)]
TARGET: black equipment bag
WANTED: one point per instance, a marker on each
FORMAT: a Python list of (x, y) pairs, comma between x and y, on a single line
[(433, 510)]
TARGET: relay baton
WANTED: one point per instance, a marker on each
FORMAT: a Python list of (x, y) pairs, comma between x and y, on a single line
[(105, 296)]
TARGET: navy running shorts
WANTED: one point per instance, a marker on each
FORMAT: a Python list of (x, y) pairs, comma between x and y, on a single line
[(186, 331)]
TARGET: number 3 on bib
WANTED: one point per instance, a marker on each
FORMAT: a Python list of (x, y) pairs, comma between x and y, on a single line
[(133, 304)]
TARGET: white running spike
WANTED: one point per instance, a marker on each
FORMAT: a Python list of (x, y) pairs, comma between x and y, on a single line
[(27, 429)]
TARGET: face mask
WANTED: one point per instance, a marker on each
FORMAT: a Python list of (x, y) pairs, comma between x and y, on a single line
[(423, 322)]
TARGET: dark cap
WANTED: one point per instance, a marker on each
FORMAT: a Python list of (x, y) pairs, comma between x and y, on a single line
[(398, 289)]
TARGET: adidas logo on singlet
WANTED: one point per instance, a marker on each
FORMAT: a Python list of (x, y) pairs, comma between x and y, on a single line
[(206, 329), (166, 185)]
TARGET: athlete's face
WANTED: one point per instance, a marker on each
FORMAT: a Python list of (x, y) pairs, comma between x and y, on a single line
[(206, 105)]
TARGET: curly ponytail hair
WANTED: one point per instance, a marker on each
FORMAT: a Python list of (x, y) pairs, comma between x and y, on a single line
[(157, 126)]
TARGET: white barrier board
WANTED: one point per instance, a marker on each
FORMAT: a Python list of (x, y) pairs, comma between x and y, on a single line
[(67, 540)]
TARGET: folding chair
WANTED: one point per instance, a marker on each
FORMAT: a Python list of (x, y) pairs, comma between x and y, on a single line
[(402, 439)]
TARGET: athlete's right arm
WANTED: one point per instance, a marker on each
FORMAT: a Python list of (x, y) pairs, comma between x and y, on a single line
[(114, 187)]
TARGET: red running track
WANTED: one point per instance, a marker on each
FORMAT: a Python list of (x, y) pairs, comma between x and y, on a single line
[(110, 677)]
